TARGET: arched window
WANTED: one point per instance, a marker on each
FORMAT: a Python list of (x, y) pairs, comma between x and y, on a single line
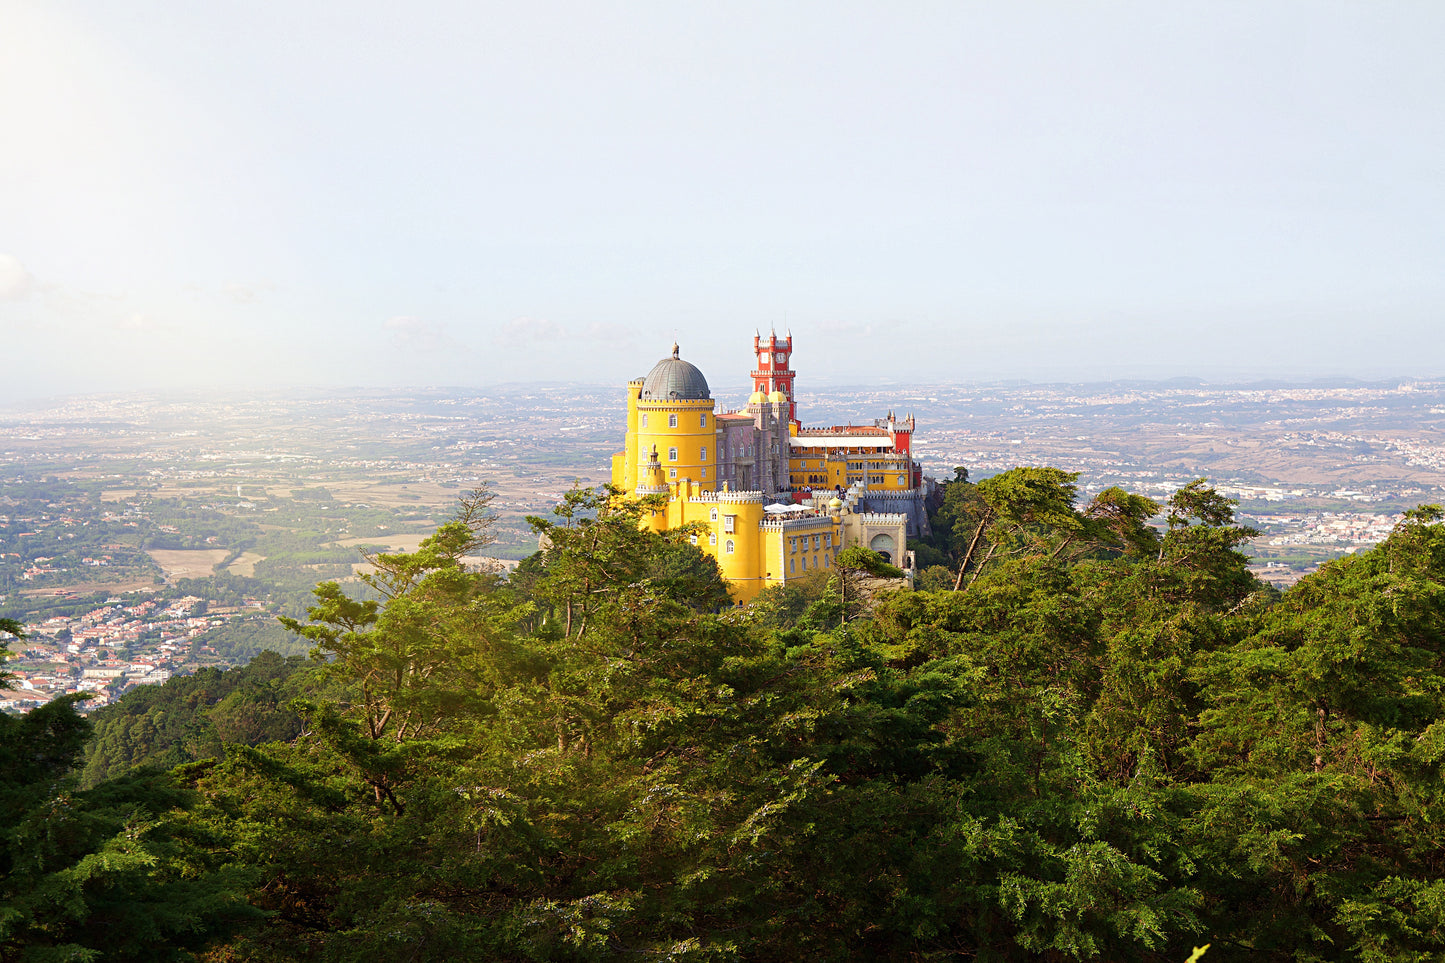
[(672, 421), (672, 454), (729, 547)]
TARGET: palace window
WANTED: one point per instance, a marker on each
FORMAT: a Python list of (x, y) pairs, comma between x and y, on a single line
[(702, 421), (827, 541), (815, 543), (730, 523), (825, 562), (729, 547), (672, 454), (712, 515), (644, 421), (712, 539), (791, 563), (702, 453), (672, 473), (792, 544), (704, 473), (672, 421)]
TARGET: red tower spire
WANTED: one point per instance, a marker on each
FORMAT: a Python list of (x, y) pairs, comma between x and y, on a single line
[(774, 370)]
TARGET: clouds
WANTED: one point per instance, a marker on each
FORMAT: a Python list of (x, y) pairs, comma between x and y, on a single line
[(415, 334), (533, 332), (16, 283), (241, 293), (845, 329), (138, 323), (525, 331)]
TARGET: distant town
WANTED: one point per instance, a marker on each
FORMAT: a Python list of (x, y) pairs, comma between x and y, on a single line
[(139, 640), (143, 536)]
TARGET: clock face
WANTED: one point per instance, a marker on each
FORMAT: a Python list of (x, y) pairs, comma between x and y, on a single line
[(779, 357)]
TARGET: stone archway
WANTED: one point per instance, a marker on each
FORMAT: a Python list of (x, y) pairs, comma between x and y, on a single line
[(882, 543)]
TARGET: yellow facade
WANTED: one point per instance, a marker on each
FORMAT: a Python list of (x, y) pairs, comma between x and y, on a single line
[(682, 431), (752, 549)]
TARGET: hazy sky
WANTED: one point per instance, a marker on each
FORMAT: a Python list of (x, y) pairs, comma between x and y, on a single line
[(369, 193)]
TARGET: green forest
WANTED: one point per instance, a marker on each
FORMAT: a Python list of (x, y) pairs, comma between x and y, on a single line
[(1091, 734)]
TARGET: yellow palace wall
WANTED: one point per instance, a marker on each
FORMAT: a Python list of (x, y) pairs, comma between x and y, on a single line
[(752, 550)]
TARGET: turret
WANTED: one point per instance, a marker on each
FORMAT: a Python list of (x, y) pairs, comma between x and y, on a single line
[(650, 481)]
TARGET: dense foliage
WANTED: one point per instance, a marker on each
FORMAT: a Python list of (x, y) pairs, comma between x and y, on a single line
[(1107, 742), (195, 716)]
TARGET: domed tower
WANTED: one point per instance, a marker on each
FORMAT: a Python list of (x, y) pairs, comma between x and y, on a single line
[(671, 410)]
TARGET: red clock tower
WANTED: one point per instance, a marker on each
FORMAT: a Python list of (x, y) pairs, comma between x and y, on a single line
[(774, 371)]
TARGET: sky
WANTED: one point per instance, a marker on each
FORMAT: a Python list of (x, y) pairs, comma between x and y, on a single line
[(272, 194)]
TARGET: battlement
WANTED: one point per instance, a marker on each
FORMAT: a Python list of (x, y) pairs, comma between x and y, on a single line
[(812, 523), (729, 498), (899, 494)]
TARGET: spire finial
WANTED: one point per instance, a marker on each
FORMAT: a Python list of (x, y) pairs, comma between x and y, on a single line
[(674, 349)]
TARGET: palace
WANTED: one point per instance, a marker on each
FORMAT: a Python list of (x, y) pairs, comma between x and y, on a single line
[(772, 500)]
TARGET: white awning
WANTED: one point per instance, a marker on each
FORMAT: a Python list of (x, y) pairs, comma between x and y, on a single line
[(841, 441)]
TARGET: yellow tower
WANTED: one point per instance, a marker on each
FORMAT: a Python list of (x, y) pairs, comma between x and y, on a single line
[(672, 411), (738, 548)]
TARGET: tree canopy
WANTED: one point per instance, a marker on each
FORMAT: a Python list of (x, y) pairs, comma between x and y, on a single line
[(1096, 740)]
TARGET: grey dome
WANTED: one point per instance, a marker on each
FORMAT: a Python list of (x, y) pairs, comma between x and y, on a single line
[(673, 379)]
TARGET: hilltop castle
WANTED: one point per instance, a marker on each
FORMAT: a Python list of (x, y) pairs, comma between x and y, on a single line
[(774, 500)]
